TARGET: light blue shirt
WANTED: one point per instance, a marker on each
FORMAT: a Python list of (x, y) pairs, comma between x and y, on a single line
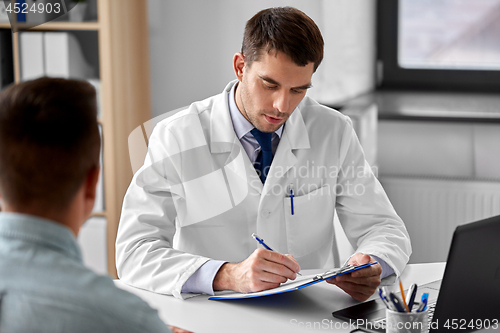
[(202, 280), (242, 128), (44, 286)]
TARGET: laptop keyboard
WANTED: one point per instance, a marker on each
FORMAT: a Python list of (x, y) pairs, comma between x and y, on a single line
[(430, 313)]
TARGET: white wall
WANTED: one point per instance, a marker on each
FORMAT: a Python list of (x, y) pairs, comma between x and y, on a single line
[(349, 31), (193, 43)]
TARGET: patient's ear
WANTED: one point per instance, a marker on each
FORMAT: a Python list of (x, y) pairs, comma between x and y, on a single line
[(90, 186)]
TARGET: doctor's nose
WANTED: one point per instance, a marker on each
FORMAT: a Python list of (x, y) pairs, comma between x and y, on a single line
[(282, 102)]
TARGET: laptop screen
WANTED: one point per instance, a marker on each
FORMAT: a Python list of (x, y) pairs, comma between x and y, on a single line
[(469, 298), (469, 294)]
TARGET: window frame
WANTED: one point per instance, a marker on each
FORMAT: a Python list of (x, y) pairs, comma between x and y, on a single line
[(392, 76)]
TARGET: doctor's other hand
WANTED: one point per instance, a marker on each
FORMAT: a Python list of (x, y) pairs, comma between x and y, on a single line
[(359, 284), (262, 270)]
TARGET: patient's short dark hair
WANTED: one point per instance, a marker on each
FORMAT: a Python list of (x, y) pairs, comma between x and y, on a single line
[(49, 141)]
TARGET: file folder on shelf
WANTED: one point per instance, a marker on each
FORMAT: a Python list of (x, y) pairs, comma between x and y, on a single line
[(32, 57)]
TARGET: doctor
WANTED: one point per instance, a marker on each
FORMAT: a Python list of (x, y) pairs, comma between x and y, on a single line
[(260, 157)]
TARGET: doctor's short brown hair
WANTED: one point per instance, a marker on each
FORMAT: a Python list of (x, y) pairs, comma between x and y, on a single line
[(49, 141), (283, 29)]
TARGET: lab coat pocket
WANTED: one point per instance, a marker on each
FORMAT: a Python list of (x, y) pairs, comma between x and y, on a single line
[(311, 224)]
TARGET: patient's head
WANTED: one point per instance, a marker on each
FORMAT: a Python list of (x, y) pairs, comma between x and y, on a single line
[(49, 143)]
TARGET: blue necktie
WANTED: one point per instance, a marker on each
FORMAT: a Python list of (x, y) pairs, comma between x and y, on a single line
[(263, 161)]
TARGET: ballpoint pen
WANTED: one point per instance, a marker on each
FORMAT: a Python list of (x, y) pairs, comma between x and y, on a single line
[(403, 296), (396, 302), (412, 292), (291, 197), (423, 302), (261, 241), (383, 295)]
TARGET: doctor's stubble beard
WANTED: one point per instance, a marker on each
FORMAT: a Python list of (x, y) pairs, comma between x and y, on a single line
[(252, 119)]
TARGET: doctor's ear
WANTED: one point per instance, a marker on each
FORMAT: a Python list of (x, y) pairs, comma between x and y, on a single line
[(239, 65)]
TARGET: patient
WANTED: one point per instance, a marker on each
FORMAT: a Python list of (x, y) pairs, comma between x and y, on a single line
[(49, 165)]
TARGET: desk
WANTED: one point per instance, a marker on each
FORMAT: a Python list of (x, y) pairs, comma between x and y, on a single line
[(290, 312)]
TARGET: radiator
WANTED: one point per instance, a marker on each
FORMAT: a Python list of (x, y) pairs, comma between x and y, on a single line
[(433, 208)]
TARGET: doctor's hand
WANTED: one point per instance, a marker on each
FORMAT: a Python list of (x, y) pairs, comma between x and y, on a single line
[(359, 284), (262, 270)]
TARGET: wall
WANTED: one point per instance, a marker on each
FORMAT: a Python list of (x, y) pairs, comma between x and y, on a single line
[(193, 42)]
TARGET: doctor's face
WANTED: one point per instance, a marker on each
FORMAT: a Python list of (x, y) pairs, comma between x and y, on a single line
[(270, 88)]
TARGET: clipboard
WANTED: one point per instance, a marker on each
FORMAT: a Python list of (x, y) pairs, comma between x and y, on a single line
[(296, 284)]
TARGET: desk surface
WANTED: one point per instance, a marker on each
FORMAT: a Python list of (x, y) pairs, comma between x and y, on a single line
[(294, 311)]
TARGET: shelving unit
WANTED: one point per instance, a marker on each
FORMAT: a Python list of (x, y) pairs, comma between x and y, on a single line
[(123, 43)]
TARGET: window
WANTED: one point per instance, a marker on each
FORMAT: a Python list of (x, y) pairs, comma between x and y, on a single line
[(439, 44)]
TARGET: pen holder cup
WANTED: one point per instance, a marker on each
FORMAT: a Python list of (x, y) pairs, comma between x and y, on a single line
[(407, 322)]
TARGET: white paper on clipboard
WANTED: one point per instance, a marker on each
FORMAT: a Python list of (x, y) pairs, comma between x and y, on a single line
[(299, 283)]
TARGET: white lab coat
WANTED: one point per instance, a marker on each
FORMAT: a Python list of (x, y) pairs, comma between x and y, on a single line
[(198, 197)]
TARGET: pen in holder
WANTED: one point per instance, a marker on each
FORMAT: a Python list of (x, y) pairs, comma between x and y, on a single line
[(407, 322)]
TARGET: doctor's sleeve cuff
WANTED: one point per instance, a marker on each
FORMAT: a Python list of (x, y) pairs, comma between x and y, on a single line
[(386, 269), (202, 280)]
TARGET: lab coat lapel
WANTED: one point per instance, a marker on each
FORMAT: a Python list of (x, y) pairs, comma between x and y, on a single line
[(223, 139), (222, 134), (295, 136)]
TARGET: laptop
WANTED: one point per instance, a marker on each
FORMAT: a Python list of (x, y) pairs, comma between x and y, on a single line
[(467, 298)]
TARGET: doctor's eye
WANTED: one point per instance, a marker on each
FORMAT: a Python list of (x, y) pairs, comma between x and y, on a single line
[(297, 91), (270, 87)]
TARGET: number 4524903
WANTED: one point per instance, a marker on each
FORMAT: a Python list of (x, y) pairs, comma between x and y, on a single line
[(462, 324), (35, 8)]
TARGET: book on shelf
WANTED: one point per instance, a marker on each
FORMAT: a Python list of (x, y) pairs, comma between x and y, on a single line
[(99, 192), (35, 11), (4, 16), (6, 59), (55, 54), (32, 55), (64, 56), (42, 11), (97, 86), (21, 16)]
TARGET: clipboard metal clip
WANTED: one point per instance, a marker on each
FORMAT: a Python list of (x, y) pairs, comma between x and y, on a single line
[(333, 272)]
